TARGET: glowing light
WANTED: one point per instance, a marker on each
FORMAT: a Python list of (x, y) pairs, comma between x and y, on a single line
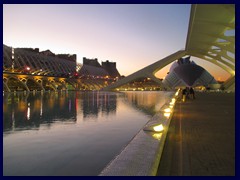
[(158, 128), (28, 112), (157, 136), (75, 74), (167, 110), (172, 103), (167, 114), (184, 98), (176, 94), (41, 109)]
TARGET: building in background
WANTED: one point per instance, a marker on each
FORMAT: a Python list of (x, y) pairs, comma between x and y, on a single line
[(30, 69), (111, 68), (32, 61), (184, 72), (92, 68)]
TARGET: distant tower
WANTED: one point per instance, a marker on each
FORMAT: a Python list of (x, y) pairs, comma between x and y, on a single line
[(110, 67), (91, 62)]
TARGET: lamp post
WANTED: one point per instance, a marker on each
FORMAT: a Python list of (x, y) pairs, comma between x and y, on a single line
[(27, 69)]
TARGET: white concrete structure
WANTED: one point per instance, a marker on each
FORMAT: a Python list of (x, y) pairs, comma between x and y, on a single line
[(185, 72), (211, 37)]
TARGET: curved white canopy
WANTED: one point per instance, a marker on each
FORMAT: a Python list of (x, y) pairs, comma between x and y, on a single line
[(211, 34)]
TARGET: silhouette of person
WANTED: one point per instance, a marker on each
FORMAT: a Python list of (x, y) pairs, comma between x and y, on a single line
[(184, 94), (191, 93)]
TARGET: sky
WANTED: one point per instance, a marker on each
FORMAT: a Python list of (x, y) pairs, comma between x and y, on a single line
[(132, 35)]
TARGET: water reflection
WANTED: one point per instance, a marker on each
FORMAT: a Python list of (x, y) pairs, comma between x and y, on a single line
[(95, 102), (69, 133), (30, 110), (146, 101), (27, 111)]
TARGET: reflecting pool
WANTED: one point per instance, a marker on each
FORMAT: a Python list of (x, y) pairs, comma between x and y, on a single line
[(71, 133)]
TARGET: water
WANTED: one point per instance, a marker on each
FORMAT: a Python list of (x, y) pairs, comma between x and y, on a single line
[(71, 133)]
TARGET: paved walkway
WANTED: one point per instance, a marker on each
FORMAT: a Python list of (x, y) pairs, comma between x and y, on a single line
[(201, 138)]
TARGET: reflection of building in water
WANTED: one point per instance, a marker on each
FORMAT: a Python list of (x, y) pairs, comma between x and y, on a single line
[(29, 111), (148, 102), (95, 102)]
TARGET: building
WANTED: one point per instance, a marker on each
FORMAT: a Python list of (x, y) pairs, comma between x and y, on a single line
[(184, 72), (91, 67), (110, 67), (31, 61)]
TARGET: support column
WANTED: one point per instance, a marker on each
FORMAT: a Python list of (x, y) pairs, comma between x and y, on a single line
[(63, 83), (6, 86), (5, 81), (24, 83), (40, 83)]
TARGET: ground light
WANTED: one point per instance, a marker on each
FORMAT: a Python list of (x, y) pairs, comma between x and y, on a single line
[(173, 101), (176, 94), (167, 110), (167, 114), (154, 128), (157, 136), (158, 128)]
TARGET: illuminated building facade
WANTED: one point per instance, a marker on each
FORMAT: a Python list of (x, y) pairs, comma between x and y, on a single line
[(32, 61)]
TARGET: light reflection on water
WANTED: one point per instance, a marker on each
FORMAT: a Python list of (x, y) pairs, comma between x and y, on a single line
[(71, 133)]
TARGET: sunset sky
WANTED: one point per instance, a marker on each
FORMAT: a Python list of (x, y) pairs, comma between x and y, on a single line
[(131, 35)]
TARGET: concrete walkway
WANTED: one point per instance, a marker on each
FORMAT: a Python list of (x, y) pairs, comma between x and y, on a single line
[(201, 137)]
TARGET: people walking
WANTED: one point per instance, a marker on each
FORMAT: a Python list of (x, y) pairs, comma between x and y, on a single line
[(184, 94), (191, 93)]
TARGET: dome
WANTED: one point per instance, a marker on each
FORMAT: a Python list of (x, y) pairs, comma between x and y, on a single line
[(173, 66)]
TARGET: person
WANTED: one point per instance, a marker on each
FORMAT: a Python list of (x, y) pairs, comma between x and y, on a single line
[(184, 93), (192, 93)]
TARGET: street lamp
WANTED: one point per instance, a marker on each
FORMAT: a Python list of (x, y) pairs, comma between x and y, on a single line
[(27, 69)]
